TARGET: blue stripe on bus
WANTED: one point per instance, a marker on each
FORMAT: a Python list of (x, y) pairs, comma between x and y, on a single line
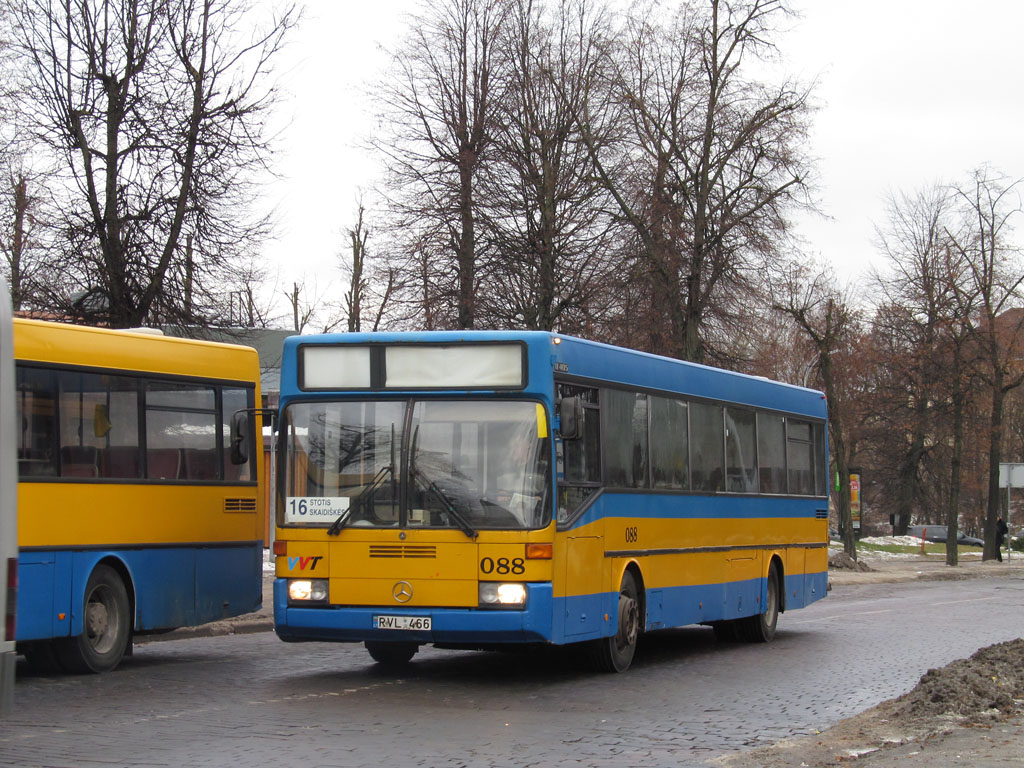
[(174, 587), (693, 506), (584, 615), (576, 618)]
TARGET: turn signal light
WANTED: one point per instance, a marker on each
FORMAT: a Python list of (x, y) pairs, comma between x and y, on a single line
[(538, 551), (280, 548)]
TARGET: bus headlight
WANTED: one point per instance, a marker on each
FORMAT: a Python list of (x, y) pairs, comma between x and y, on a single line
[(307, 590), (496, 595)]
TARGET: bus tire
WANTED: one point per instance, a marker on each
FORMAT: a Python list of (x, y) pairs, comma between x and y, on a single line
[(726, 631), (391, 654), (761, 628), (107, 626), (615, 653)]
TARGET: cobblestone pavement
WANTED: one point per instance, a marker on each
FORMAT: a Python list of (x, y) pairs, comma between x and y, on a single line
[(249, 699)]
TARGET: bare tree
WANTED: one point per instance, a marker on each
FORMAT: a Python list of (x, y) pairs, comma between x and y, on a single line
[(358, 279), (157, 111), (918, 302), (311, 308), (21, 234), (439, 106), (957, 333), (548, 215), (826, 315), (776, 348), (376, 285), (713, 165), (990, 204)]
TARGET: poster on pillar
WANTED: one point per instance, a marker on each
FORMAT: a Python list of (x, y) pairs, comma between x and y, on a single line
[(855, 499)]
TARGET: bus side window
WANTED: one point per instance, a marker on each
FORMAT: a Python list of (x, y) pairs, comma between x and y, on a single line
[(771, 451), (669, 444), (740, 451), (707, 445), (625, 425), (180, 418), (37, 422), (581, 458), (798, 458)]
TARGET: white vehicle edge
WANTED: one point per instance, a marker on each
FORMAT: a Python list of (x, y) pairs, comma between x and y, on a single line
[(8, 504)]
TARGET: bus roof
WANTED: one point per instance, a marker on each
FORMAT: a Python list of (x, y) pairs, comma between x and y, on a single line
[(77, 345), (574, 358)]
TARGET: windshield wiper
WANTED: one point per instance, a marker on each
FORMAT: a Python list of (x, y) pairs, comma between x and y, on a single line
[(359, 500), (449, 505), (338, 524)]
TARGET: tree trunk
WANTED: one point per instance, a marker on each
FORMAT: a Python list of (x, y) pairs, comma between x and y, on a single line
[(842, 460), (907, 475), (467, 246), (18, 241), (953, 510), (994, 457)]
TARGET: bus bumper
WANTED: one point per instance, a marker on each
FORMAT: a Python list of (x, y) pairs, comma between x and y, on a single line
[(448, 625)]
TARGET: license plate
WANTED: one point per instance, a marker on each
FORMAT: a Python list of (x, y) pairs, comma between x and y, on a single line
[(402, 622)]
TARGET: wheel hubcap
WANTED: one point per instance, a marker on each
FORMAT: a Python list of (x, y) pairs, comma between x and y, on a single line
[(629, 621), (100, 621)]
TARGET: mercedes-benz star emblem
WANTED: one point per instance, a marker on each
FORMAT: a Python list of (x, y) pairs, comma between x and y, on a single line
[(402, 591)]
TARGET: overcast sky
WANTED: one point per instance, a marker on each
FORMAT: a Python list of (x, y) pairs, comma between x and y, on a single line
[(911, 92)]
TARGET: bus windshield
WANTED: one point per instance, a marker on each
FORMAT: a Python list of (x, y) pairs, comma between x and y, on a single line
[(466, 464)]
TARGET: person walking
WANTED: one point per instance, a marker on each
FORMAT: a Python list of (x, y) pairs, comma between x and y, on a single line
[(1001, 531)]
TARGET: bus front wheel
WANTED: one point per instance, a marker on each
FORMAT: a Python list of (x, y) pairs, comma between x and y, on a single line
[(391, 654), (107, 626), (615, 653)]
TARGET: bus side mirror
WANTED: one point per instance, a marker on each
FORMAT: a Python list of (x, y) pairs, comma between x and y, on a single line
[(240, 437), (570, 417)]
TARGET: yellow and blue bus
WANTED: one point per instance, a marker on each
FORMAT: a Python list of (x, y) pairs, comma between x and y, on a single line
[(478, 489), (134, 516), (8, 506)]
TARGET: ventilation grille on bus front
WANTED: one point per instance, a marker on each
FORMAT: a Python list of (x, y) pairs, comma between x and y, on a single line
[(821, 514), (423, 551), (239, 505)]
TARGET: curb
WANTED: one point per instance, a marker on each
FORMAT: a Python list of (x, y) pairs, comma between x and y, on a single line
[(923, 570), (213, 629)]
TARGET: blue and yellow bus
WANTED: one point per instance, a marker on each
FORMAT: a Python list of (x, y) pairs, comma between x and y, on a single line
[(475, 489), (8, 505), (134, 513)]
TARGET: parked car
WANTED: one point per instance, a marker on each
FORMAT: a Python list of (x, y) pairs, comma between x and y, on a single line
[(939, 534)]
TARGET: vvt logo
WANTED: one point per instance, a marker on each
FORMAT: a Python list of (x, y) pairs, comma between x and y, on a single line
[(302, 562)]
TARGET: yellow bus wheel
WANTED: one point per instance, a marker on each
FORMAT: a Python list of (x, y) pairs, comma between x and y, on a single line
[(761, 628), (107, 626)]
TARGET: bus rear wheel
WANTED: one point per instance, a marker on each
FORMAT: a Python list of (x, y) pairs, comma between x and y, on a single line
[(615, 653), (107, 626), (761, 628), (391, 654)]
